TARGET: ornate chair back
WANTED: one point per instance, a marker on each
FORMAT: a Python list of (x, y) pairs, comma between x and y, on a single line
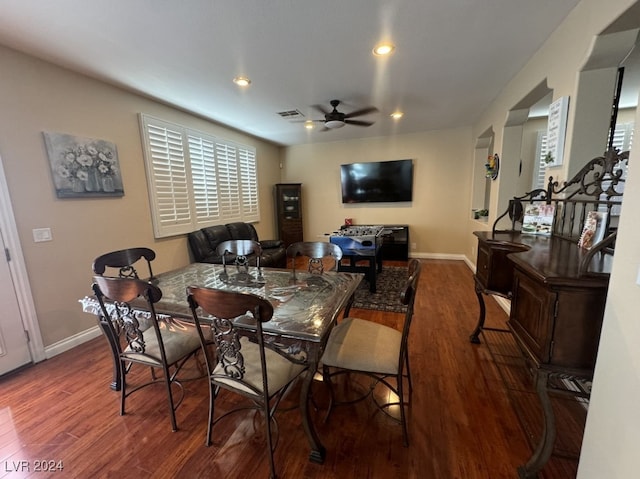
[(238, 252), (316, 251), (123, 261)]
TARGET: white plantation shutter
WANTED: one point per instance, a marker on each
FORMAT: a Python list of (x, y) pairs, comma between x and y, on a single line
[(540, 165), (196, 180), (623, 136), (622, 140), (228, 182), (167, 178), (249, 184), (203, 176)]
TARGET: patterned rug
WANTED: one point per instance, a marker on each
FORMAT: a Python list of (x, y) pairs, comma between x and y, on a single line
[(387, 295)]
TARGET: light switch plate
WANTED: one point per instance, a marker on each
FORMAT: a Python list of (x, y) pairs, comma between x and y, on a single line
[(42, 234), (638, 278)]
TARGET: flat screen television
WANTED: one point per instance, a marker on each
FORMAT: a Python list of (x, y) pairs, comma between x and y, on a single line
[(377, 182)]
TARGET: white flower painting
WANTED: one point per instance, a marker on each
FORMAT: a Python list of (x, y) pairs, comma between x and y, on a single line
[(83, 167)]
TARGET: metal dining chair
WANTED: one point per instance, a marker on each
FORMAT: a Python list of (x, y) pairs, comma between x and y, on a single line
[(370, 348), (237, 252), (252, 367), (316, 251), (165, 345), (123, 261)]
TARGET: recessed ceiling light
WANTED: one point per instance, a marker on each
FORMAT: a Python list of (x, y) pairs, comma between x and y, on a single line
[(308, 124), (396, 115), (241, 81), (384, 49)]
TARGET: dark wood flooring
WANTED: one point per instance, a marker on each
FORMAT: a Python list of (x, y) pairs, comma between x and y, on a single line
[(474, 413)]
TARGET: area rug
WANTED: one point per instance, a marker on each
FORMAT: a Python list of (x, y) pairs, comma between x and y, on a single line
[(387, 295)]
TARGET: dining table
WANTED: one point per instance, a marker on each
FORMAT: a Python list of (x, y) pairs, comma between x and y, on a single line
[(306, 307)]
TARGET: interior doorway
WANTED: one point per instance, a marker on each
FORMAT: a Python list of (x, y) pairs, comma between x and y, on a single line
[(20, 339), (14, 344)]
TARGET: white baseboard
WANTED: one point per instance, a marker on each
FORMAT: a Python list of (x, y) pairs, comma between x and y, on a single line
[(456, 257), (71, 342), (504, 303)]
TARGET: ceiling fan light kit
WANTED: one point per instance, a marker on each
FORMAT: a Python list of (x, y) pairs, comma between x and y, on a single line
[(333, 124), (384, 49), (241, 81)]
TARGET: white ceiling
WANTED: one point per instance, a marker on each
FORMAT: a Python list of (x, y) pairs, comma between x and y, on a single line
[(452, 58)]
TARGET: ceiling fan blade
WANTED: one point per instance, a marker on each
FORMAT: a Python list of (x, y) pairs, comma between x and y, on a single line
[(321, 109), (359, 122), (305, 121), (362, 111)]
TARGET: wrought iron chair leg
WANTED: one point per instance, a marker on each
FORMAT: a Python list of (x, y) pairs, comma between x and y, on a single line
[(267, 420), (326, 378), (409, 376), (212, 397), (403, 419), (172, 410)]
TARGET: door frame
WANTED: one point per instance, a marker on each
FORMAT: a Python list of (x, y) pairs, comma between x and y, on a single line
[(18, 271)]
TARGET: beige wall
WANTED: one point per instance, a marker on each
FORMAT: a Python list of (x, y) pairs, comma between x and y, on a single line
[(36, 97), (440, 206)]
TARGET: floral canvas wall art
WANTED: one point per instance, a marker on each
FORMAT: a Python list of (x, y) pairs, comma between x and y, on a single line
[(83, 167)]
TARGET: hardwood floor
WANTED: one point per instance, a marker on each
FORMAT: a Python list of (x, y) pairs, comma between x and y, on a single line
[(473, 415)]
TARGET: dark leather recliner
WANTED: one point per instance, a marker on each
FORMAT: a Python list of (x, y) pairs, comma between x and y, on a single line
[(203, 244)]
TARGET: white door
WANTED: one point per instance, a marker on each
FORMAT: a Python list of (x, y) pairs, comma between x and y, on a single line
[(14, 347)]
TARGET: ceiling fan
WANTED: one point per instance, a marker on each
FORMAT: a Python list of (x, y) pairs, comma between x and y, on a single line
[(335, 119)]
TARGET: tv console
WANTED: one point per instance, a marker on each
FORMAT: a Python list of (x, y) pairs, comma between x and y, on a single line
[(395, 243)]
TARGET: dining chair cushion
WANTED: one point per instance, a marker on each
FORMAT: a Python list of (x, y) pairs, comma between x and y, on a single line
[(280, 371), (178, 342), (361, 345)]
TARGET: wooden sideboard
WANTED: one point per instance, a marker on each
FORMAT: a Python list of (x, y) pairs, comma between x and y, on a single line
[(556, 312), (558, 290)]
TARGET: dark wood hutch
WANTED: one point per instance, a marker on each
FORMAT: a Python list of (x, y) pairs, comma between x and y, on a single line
[(288, 200), (557, 289)]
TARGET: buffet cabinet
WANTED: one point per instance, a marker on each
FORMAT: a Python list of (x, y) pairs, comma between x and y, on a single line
[(558, 289), (556, 312), (288, 201), (555, 317), (558, 326)]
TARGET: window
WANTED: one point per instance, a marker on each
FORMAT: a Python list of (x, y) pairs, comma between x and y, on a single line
[(622, 140), (540, 165), (195, 179), (623, 136)]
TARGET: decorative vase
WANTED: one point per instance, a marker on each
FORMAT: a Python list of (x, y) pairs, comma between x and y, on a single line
[(93, 181), (77, 185), (107, 184)]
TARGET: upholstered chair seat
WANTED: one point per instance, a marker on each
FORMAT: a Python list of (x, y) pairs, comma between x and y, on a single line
[(178, 341), (279, 370), (361, 345)]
